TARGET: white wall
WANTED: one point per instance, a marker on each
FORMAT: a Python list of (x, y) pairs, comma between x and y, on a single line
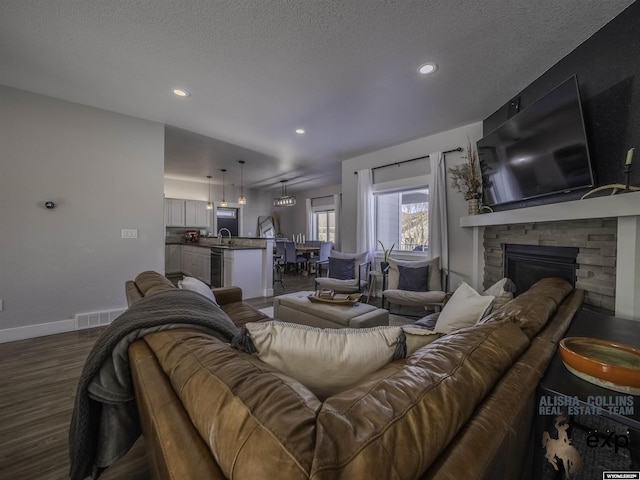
[(460, 240), (105, 173), (258, 204)]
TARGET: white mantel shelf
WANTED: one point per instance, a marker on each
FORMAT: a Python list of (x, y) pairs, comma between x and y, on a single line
[(621, 205), (625, 207)]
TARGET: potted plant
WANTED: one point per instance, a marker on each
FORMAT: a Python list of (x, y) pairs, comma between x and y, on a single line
[(384, 264)]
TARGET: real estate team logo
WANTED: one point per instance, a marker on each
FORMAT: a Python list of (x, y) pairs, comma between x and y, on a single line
[(560, 448)]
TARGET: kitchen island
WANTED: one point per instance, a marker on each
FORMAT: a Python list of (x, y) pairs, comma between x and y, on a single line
[(240, 261)]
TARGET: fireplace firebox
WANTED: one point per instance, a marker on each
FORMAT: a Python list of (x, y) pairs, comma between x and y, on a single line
[(526, 264)]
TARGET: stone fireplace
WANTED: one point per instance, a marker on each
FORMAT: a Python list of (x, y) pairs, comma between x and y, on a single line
[(581, 251), (604, 230)]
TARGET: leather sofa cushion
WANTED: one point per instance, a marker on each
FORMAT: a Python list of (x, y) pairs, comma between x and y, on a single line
[(532, 310), (244, 410), (473, 452), (151, 282), (394, 424), (242, 313)]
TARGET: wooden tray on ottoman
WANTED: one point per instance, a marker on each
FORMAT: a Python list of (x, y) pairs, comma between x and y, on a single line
[(342, 299)]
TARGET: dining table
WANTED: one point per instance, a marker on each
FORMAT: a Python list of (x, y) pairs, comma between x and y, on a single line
[(306, 250)]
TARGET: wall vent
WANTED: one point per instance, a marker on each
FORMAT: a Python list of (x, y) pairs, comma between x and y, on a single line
[(96, 319)]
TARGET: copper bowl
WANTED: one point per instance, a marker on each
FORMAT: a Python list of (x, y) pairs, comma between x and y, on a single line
[(608, 364)]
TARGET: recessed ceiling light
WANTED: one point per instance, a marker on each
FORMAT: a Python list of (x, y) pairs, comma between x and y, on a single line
[(427, 68), (180, 92), (300, 131)]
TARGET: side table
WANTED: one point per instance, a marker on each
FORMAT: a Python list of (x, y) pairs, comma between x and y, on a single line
[(375, 276), (602, 425)]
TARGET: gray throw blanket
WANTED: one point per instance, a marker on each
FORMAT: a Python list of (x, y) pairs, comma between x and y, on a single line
[(105, 421)]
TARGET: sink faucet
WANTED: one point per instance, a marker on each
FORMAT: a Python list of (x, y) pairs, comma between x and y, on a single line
[(220, 235)]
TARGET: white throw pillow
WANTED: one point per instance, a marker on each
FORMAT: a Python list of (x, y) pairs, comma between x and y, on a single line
[(417, 337), (326, 360), (198, 286), (464, 309), (502, 290)]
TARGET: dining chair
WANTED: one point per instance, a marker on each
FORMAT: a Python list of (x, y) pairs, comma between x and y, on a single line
[(279, 263), (291, 257), (323, 255)]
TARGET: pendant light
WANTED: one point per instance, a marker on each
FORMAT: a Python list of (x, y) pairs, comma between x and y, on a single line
[(209, 204), (242, 200), (223, 202)]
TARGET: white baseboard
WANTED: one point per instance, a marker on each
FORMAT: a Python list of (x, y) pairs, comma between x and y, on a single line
[(40, 330), (80, 322)]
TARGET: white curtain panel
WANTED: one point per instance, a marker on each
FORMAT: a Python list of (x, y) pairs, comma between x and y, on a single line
[(438, 228), (310, 235), (337, 205), (365, 239)]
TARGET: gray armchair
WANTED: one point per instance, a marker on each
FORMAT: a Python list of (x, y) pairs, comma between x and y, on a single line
[(346, 272), (428, 291)]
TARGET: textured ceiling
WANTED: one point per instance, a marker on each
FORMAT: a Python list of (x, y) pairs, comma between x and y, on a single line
[(258, 69)]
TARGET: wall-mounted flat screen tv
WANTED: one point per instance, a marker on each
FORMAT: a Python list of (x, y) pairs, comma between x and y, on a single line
[(541, 150)]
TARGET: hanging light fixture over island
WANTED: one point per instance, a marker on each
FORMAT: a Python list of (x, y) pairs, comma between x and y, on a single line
[(223, 202), (284, 200), (242, 200)]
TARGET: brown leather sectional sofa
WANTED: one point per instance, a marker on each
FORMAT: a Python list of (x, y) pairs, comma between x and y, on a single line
[(229, 298), (461, 407)]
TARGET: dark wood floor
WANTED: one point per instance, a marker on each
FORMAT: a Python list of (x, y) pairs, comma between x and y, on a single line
[(38, 380)]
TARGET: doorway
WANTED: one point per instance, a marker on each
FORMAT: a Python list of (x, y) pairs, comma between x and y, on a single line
[(228, 218)]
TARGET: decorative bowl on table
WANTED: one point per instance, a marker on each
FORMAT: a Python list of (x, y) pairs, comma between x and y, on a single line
[(607, 364)]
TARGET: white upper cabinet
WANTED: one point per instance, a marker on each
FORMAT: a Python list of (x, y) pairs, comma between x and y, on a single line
[(174, 212), (187, 213), (196, 214)]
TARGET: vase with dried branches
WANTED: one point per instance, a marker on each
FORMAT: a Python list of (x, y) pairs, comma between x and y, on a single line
[(467, 179)]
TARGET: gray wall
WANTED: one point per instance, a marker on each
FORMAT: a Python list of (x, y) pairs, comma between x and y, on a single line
[(105, 173)]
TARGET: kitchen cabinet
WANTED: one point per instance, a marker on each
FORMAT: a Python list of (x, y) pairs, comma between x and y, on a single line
[(197, 215), (174, 212), (196, 262), (173, 258), (187, 213)]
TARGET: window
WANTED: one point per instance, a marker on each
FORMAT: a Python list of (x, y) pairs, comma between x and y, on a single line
[(403, 218), (324, 223)]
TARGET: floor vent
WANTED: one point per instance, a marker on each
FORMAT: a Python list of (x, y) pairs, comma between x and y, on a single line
[(96, 319)]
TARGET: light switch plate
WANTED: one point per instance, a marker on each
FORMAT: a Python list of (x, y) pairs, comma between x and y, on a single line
[(129, 233)]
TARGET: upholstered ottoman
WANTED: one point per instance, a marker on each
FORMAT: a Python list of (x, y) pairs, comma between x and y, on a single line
[(297, 308)]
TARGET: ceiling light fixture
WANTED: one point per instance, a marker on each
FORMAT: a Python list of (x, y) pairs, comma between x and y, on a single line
[(427, 68), (209, 204), (242, 200), (223, 202), (300, 131), (285, 200), (180, 92)]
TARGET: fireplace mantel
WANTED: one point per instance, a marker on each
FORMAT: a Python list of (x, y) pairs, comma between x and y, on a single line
[(625, 207), (621, 205)]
